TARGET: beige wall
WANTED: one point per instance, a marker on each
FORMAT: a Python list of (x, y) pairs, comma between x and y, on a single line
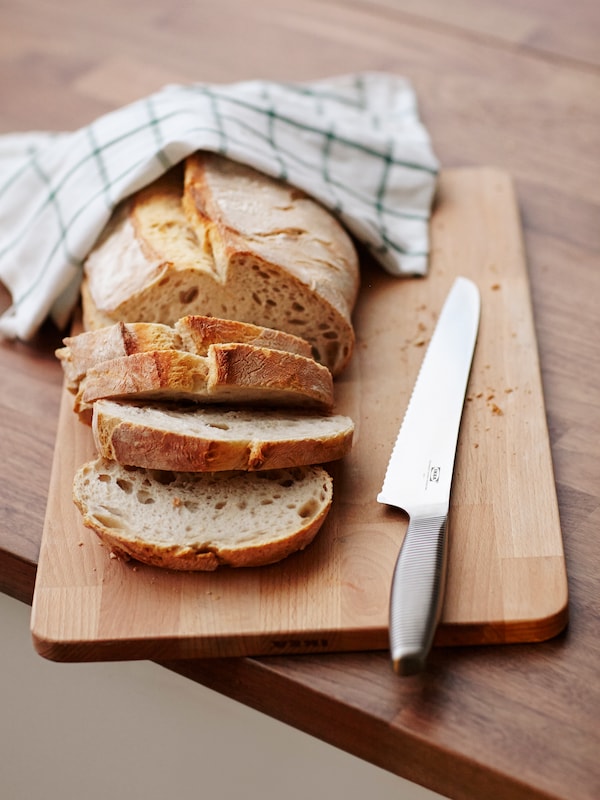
[(135, 730)]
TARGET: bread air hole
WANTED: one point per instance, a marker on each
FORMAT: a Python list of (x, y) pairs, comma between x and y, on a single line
[(125, 486), (144, 498), (163, 477), (308, 509), (262, 273), (110, 519), (188, 295)]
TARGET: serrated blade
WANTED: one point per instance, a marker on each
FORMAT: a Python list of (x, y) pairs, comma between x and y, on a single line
[(419, 476)]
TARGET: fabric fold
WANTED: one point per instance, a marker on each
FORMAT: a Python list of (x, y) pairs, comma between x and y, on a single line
[(355, 143)]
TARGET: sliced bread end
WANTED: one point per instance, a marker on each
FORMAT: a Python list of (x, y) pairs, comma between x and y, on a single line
[(200, 521)]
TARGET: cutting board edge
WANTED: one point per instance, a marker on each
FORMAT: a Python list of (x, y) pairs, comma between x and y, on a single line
[(66, 650), (59, 649), (527, 631)]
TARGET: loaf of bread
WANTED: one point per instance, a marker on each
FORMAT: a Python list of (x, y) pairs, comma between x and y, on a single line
[(213, 289), (212, 439), (199, 521), (226, 241), (229, 373), (192, 333)]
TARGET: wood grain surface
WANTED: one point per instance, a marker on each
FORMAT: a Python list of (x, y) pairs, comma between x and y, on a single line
[(514, 83), (506, 573)]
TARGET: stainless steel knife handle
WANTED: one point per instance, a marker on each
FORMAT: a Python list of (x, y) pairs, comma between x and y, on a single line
[(417, 593)]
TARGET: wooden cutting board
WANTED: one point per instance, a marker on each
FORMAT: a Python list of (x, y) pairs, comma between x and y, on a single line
[(507, 578)]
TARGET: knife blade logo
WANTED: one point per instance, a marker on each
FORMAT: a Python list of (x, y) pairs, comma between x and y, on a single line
[(434, 474)]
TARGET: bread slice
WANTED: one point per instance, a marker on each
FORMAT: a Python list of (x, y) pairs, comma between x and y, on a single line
[(85, 350), (211, 439), (198, 332), (199, 521), (245, 248), (192, 333), (229, 373)]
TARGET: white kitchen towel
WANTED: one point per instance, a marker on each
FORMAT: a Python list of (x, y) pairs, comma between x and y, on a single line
[(354, 142)]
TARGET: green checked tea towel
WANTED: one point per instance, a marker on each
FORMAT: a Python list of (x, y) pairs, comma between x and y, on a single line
[(354, 142)]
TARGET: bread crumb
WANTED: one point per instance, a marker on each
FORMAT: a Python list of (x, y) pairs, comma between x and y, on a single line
[(497, 410), (79, 544), (476, 445), (112, 555), (176, 502), (495, 287)]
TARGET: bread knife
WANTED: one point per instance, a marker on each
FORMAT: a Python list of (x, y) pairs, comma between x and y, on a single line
[(419, 477)]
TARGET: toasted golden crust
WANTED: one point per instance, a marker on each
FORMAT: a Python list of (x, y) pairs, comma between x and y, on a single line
[(83, 351), (228, 373), (213, 439), (197, 332), (190, 559), (192, 333)]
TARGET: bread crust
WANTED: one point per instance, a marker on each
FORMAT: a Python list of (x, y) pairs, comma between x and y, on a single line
[(198, 332), (83, 351), (229, 372), (192, 333), (210, 440)]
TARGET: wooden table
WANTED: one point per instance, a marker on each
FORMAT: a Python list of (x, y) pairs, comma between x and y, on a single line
[(513, 84)]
